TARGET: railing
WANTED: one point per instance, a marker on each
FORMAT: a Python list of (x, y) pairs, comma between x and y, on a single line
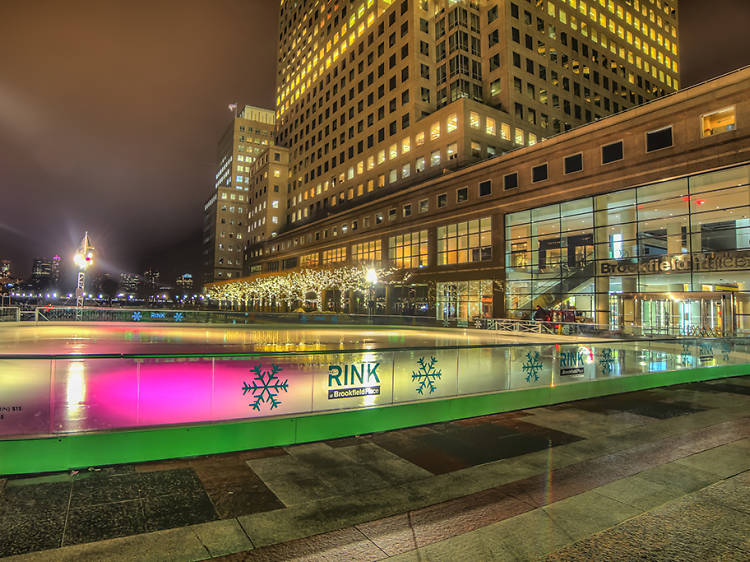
[(59, 394), (10, 314)]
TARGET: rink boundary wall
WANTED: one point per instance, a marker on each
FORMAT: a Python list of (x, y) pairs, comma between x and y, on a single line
[(82, 450)]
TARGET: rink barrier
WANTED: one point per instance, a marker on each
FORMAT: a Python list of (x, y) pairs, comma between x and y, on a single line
[(474, 381)]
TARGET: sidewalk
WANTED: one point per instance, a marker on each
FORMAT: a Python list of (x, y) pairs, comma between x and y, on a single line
[(652, 474)]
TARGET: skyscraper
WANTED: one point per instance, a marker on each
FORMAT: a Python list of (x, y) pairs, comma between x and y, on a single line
[(225, 212), (375, 95)]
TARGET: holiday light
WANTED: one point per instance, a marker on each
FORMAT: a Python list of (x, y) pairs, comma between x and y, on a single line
[(295, 286)]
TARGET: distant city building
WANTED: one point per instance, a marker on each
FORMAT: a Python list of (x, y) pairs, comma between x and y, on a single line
[(225, 212), (185, 282), (130, 283), (267, 202), (46, 271), (6, 270), (151, 280)]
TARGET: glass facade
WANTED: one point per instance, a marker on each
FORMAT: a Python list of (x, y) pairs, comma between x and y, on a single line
[(673, 256), (465, 242), (409, 250), (464, 300)]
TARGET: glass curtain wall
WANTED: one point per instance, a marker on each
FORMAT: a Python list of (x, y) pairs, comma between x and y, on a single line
[(674, 255), (464, 300)]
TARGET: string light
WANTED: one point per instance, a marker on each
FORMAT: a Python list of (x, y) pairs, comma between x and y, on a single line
[(295, 286)]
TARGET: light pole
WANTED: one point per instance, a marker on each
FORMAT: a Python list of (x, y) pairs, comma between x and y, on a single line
[(84, 258)]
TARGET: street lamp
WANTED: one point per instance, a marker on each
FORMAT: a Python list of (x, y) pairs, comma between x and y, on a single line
[(84, 259)]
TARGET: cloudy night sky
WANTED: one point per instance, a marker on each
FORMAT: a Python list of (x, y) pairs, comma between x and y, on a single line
[(110, 112)]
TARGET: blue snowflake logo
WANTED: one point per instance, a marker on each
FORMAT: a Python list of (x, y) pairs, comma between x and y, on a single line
[(137, 316), (686, 355), (532, 366), (427, 374), (725, 347), (179, 317), (265, 387), (607, 361)]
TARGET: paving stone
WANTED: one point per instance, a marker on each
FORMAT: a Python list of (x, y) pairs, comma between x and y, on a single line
[(96, 489), (222, 537), (345, 544), (43, 500), (104, 521), (177, 481), (21, 533), (733, 493), (177, 510), (724, 461), (679, 476), (170, 545), (588, 513), (639, 492)]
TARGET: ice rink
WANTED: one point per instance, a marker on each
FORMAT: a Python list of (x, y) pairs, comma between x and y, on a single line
[(77, 338)]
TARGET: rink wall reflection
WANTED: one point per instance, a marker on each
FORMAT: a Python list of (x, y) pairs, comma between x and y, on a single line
[(70, 394)]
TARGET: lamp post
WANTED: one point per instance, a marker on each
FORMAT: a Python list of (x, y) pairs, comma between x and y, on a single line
[(84, 258)]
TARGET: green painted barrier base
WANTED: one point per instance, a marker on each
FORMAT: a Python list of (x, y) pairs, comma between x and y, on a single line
[(65, 452)]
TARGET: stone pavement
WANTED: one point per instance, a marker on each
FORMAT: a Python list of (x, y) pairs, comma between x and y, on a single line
[(658, 474)]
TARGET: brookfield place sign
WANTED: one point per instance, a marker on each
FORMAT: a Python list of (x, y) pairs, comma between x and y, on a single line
[(709, 261)]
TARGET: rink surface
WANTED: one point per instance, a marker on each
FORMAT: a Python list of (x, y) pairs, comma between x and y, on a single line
[(74, 338)]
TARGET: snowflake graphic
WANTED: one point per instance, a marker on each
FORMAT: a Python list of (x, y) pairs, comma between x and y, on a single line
[(179, 317), (265, 387), (725, 347), (137, 316), (426, 375), (686, 355), (532, 367), (607, 361)]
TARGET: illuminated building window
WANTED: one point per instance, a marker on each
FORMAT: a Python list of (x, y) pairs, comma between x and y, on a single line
[(309, 260), (474, 120), (452, 123), (419, 166), (490, 128), (381, 156), (452, 151), (519, 137), (435, 131), (409, 250), (435, 158), (718, 122), (405, 170), (505, 131), (465, 242), (367, 251), (392, 176), (370, 162), (392, 151), (405, 145), (334, 256), (419, 139)]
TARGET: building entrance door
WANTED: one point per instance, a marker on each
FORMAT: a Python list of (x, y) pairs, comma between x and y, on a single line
[(686, 314)]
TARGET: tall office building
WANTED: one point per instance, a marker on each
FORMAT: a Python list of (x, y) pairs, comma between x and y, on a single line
[(46, 271), (225, 212), (374, 95)]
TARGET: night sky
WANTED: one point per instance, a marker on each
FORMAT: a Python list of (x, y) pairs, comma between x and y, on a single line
[(110, 112)]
